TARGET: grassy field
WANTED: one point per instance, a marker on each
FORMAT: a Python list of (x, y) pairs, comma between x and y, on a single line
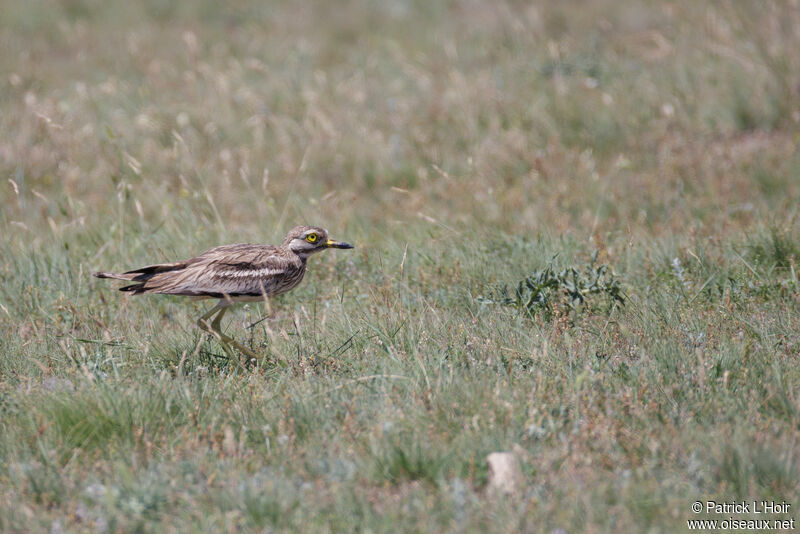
[(489, 160)]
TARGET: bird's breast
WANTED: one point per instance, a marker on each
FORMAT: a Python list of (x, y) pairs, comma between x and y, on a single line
[(290, 278)]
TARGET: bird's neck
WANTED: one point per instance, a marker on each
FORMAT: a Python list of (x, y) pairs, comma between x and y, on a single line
[(302, 256)]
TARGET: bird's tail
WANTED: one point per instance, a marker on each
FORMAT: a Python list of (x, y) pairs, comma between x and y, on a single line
[(125, 276), (141, 275)]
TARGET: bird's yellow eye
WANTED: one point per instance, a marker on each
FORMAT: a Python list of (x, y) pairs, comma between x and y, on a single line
[(312, 238)]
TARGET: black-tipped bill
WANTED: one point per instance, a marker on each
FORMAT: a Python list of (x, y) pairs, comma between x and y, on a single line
[(330, 243)]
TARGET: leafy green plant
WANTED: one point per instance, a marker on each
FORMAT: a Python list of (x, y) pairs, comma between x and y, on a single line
[(406, 460), (570, 290), (776, 248)]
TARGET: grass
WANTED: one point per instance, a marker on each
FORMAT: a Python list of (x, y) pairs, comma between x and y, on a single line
[(603, 149)]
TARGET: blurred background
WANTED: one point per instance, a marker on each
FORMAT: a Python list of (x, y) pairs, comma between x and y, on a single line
[(211, 121)]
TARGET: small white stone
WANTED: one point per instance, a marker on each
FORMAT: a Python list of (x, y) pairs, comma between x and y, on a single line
[(183, 119), (228, 442), (504, 474)]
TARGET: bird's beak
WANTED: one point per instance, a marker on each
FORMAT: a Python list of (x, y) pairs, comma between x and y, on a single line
[(330, 243)]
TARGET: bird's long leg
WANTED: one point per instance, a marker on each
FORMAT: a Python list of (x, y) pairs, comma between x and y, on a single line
[(202, 322), (214, 329), (216, 325), (204, 325)]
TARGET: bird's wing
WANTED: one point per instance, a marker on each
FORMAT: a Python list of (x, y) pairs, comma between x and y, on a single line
[(264, 276), (235, 270)]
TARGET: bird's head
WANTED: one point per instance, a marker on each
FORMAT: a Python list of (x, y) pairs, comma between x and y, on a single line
[(306, 240)]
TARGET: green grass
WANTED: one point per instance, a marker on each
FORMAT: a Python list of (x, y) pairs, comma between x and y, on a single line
[(463, 148)]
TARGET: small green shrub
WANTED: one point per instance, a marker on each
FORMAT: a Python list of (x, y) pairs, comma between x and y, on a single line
[(407, 459), (776, 248), (570, 290)]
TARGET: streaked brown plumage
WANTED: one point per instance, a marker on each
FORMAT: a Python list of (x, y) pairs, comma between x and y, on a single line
[(232, 273)]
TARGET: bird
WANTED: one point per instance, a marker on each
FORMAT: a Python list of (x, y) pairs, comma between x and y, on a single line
[(243, 272)]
